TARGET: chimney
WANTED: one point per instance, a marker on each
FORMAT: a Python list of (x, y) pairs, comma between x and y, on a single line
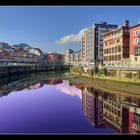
[(126, 23)]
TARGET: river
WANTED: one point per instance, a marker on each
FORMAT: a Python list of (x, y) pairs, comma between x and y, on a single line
[(51, 103)]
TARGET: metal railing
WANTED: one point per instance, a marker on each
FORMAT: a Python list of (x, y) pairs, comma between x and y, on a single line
[(126, 67), (21, 63)]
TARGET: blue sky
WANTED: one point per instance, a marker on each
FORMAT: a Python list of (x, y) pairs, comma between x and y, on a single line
[(43, 26)]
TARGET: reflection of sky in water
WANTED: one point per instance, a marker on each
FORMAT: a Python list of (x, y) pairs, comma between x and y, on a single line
[(70, 90), (45, 110)]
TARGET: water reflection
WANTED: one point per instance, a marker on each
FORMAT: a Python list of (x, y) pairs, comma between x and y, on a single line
[(30, 82), (92, 106), (102, 109), (70, 90)]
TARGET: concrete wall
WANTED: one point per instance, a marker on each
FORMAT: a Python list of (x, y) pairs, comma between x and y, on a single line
[(9, 70)]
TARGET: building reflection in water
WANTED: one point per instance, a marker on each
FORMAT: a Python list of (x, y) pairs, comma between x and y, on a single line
[(22, 84), (54, 81), (104, 110), (92, 106), (36, 85)]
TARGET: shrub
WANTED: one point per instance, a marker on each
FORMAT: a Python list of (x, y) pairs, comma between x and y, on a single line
[(104, 71), (96, 70)]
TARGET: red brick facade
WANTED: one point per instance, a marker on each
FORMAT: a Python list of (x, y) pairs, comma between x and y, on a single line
[(116, 46)]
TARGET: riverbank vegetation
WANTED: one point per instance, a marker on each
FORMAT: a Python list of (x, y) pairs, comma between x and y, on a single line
[(105, 75), (100, 79)]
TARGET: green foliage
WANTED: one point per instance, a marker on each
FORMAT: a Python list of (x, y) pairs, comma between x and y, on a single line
[(77, 70), (139, 74), (129, 75), (96, 70), (112, 73), (91, 72), (104, 71)]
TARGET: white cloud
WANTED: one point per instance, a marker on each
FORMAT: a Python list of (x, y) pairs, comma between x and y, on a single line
[(71, 38)]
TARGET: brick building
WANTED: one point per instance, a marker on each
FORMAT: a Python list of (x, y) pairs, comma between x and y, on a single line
[(116, 46), (135, 44)]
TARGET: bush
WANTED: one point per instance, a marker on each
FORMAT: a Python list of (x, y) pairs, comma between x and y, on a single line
[(105, 71), (96, 70), (77, 70), (129, 75)]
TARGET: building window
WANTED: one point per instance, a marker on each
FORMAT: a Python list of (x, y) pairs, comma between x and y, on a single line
[(119, 113), (136, 50), (107, 50), (115, 57), (136, 118), (119, 106), (116, 111), (107, 58), (112, 57), (110, 50), (135, 33), (106, 44), (112, 42), (119, 49), (136, 41), (118, 40), (104, 58), (119, 57), (116, 49), (113, 50)]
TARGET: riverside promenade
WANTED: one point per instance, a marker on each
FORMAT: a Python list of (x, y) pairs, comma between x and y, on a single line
[(18, 68)]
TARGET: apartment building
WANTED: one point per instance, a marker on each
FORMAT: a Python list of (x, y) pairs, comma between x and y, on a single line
[(55, 57), (92, 48), (135, 44), (116, 46)]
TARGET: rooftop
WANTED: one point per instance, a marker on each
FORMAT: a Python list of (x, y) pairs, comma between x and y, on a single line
[(135, 26)]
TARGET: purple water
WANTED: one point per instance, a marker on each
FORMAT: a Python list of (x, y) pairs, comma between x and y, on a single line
[(45, 109)]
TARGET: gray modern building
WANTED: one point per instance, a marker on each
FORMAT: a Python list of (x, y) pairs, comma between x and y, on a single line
[(92, 48)]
